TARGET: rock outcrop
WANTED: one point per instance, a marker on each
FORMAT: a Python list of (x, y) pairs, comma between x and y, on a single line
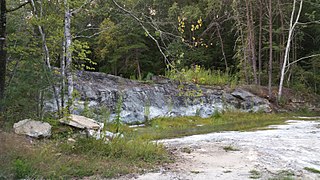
[(35, 129), (142, 101)]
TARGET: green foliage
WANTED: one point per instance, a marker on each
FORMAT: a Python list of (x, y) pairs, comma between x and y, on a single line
[(199, 75), (22, 169), (87, 112), (230, 148), (63, 159), (117, 121), (313, 170), (119, 148), (255, 174), (147, 112)]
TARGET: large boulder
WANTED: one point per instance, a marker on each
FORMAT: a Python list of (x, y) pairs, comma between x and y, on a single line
[(81, 122), (251, 102), (35, 129)]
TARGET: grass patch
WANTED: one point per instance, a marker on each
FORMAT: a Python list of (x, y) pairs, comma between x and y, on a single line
[(313, 170), (161, 128), (254, 174), (230, 148), (284, 175), (60, 159)]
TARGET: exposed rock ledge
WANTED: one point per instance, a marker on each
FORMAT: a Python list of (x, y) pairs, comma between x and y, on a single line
[(160, 98)]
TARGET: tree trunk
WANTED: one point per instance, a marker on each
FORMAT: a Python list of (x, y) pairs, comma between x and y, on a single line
[(222, 47), (270, 50), (253, 45), (287, 51), (68, 54), (3, 51), (260, 42)]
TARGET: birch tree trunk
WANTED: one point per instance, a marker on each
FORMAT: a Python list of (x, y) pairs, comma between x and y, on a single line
[(68, 54), (293, 23), (270, 50), (260, 42)]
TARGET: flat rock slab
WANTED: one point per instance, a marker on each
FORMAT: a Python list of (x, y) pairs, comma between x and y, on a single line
[(32, 128), (80, 122)]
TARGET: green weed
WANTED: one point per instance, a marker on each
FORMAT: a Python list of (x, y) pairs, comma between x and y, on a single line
[(230, 148), (22, 169), (199, 75), (61, 159), (313, 170), (254, 174)]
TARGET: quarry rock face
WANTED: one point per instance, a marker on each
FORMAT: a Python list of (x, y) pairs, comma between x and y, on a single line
[(162, 98)]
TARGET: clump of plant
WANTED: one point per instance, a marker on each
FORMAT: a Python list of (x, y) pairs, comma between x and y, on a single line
[(230, 148), (22, 169), (254, 174), (313, 170), (147, 112), (199, 75), (117, 120)]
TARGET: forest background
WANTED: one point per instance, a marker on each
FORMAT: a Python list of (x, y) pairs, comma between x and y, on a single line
[(264, 42)]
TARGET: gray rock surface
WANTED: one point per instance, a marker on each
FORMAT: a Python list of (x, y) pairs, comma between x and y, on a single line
[(279, 151), (141, 101), (35, 129)]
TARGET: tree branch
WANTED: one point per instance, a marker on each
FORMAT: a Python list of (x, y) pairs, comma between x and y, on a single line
[(146, 31), (308, 23), (300, 59), (18, 7), (79, 9)]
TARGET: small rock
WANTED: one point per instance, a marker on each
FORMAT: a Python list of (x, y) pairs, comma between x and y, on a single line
[(97, 134), (35, 129), (71, 140)]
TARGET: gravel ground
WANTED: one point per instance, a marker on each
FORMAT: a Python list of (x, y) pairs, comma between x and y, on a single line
[(278, 152)]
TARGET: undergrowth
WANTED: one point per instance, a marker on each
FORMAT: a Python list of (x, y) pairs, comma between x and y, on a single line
[(62, 159), (200, 75)]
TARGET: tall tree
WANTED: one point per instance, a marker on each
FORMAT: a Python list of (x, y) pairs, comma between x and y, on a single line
[(3, 51), (293, 23), (270, 49)]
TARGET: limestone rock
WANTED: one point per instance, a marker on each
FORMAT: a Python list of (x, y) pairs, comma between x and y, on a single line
[(35, 129), (80, 122), (162, 98)]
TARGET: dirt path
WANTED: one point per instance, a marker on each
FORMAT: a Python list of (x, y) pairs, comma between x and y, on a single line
[(283, 150)]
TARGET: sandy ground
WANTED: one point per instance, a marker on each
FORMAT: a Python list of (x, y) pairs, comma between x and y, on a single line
[(274, 153)]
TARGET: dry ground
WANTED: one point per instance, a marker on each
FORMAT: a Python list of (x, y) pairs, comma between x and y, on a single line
[(280, 152)]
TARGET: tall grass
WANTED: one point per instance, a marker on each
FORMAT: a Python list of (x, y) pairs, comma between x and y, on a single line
[(62, 159), (200, 75)]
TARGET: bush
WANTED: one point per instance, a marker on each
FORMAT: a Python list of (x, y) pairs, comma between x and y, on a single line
[(199, 75)]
